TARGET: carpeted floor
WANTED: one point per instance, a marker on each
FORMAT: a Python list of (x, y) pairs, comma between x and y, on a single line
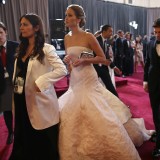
[(131, 92), (133, 95), (5, 150)]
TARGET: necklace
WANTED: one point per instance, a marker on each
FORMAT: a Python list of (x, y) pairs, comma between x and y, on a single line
[(28, 54)]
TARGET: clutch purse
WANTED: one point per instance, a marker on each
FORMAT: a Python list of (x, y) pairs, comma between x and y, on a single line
[(85, 54)]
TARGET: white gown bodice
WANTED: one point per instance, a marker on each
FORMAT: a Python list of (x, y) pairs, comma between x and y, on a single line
[(84, 75), (84, 80)]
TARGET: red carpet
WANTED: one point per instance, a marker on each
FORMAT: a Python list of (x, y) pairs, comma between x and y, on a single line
[(120, 81), (61, 86), (134, 96), (131, 93), (5, 150)]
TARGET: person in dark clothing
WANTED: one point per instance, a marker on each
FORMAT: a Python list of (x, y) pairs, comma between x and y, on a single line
[(37, 68), (151, 82), (128, 55), (7, 52), (145, 43), (119, 52), (102, 70)]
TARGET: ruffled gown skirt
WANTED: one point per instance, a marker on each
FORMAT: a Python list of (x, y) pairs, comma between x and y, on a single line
[(89, 127)]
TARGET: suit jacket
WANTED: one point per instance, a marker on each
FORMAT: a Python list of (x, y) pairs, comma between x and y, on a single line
[(103, 71), (2, 82), (42, 107), (119, 47), (127, 50), (152, 67), (100, 40), (11, 47)]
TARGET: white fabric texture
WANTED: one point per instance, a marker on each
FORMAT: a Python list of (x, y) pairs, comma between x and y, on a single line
[(91, 119)]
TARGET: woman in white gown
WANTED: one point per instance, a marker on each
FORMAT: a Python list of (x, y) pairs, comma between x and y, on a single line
[(92, 118)]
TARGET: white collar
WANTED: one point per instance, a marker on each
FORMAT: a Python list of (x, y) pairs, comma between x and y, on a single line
[(103, 38), (5, 44)]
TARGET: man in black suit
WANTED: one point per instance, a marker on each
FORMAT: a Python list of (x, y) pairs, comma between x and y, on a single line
[(151, 82), (7, 51), (102, 70), (128, 55), (119, 51)]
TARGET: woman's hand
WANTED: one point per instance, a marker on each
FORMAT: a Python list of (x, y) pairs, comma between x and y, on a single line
[(67, 59), (78, 62), (37, 89)]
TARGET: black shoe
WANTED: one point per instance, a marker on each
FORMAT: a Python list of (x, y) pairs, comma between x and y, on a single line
[(156, 152), (10, 138), (153, 137)]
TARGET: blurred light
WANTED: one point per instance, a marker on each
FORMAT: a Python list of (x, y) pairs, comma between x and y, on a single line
[(2, 1), (133, 24)]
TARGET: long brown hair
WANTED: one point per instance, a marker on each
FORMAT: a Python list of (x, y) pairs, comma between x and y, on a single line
[(35, 20)]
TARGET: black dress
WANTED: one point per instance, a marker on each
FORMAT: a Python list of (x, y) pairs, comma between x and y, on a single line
[(31, 144)]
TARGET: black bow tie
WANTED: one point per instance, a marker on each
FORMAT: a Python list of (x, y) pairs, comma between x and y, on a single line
[(157, 42)]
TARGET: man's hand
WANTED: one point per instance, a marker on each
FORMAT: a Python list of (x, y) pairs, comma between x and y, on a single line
[(117, 71), (145, 86), (107, 62)]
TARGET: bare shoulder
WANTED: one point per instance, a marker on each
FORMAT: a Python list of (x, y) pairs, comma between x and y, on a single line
[(66, 36), (67, 39), (90, 36), (92, 41)]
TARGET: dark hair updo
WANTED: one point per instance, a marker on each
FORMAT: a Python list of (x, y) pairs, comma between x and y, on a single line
[(79, 12)]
